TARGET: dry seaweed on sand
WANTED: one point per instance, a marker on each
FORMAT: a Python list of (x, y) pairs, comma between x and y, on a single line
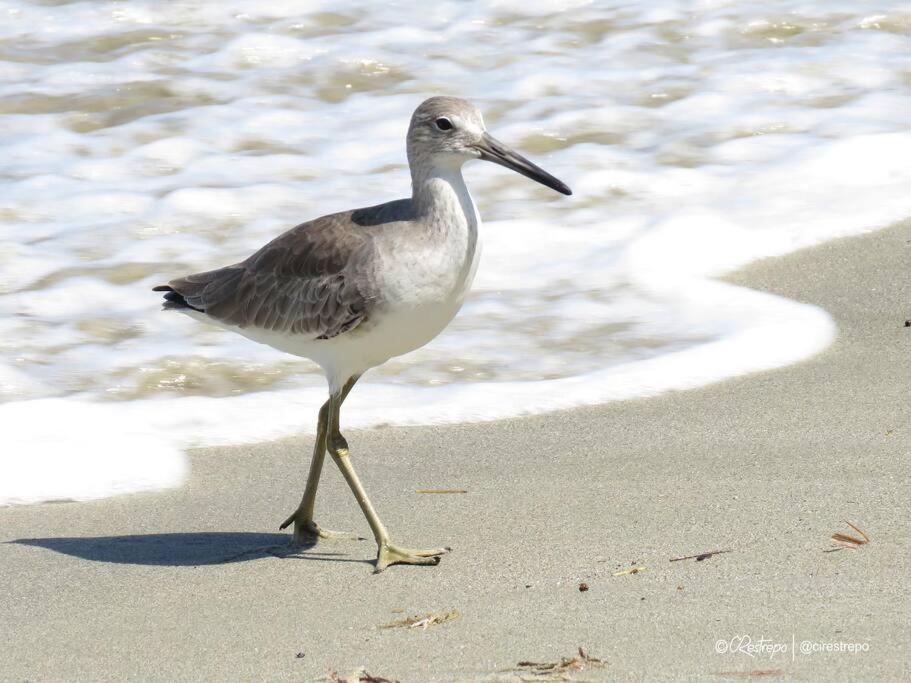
[(356, 676), (424, 621), (847, 541), (367, 678), (701, 556), (558, 671)]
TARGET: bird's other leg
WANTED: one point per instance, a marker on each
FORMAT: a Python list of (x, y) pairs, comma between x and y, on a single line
[(306, 530), (387, 552)]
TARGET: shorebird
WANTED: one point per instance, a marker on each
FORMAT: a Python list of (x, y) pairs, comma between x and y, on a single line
[(353, 289)]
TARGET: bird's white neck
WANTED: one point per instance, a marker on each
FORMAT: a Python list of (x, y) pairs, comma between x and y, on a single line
[(439, 192)]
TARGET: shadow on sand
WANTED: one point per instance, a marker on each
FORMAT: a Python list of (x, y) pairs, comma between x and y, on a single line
[(183, 550)]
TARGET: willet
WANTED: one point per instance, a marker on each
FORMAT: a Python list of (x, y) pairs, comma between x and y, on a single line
[(353, 289)]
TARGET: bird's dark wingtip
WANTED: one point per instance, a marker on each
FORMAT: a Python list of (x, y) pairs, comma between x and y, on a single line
[(163, 288)]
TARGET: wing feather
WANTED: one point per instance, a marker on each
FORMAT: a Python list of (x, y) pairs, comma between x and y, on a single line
[(316, 280)]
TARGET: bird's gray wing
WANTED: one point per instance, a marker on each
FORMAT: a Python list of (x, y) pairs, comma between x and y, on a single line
[(315, 280)]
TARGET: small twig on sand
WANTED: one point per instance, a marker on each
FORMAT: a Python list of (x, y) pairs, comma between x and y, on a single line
[(424, 621), (701, 556), (559, 671), (367, 678), (846, 541)]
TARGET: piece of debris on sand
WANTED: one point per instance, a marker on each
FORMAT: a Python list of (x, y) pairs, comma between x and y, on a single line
[(425, 620), (558, 671), (701, 556), (631, 570), (843, 541), (356, 676)]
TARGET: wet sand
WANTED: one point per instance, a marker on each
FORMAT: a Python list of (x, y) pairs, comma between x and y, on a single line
[(195, 584)]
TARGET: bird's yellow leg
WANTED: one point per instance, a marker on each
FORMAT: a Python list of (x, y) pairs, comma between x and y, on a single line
[(387, 552), (306, 530)]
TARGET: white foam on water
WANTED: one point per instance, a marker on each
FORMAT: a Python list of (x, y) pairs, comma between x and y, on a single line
[(139, 142), (61, 450)]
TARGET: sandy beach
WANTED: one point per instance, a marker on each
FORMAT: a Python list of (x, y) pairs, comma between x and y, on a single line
[(194, 584)]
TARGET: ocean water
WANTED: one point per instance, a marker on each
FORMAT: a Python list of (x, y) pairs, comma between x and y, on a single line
[(144, 140)]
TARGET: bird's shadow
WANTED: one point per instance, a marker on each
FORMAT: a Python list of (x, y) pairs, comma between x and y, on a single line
[(183, 549)]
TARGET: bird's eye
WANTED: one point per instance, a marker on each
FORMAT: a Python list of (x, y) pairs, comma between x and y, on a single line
[(443, 123)]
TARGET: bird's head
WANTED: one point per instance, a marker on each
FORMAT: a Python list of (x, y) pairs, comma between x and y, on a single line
[(448, 131)]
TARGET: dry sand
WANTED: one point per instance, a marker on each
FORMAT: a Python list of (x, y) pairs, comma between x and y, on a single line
[(170, 586)]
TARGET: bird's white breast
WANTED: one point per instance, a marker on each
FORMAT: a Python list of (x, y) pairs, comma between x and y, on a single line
[(428, 276)]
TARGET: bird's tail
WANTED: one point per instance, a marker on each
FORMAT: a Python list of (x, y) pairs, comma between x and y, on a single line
[(173, 300)]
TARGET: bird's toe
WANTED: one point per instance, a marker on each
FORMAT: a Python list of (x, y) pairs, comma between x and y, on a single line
[(389, 554)]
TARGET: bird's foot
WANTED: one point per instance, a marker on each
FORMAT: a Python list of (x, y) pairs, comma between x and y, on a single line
[(307, 532), (390, 554)]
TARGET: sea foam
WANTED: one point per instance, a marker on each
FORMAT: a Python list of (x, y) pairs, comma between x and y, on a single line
[(140, 142)]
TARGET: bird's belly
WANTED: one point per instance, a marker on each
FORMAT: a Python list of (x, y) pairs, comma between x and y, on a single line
[(400, 330)]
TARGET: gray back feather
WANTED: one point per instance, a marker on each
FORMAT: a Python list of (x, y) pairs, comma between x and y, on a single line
[(317, 279)]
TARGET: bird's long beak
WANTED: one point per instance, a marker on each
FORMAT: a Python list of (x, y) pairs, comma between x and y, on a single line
[(493, 150)]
